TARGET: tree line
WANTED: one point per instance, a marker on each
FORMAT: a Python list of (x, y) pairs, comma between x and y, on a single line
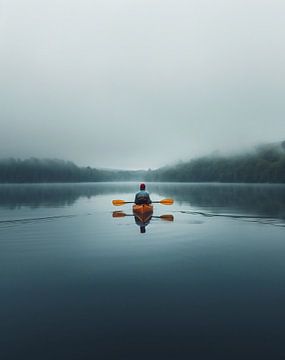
[(35, 170), (264, 165)]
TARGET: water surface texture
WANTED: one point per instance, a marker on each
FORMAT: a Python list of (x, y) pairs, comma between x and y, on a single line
[(78, 282)]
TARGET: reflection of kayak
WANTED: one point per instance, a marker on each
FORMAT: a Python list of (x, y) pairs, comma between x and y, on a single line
[(142, 209), (142, 213)]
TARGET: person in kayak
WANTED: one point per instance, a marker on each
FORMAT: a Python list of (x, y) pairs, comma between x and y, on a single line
[(142, 197)]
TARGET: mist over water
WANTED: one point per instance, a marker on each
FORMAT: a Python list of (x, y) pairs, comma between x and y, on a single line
[(138, 85), (124, 84), (263, 200)]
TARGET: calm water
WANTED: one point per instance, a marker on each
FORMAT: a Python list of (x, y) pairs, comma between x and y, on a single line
[(78, 283)]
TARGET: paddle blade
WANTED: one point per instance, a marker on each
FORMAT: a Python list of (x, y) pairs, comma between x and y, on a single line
[(118, 214), (118, 202), (167, 217), (167, 201)]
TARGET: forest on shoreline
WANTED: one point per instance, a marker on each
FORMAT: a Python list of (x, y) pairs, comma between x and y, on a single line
[(35, 170), (265, 164)]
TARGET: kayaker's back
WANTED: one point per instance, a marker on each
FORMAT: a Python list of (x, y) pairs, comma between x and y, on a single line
[(142, 197)]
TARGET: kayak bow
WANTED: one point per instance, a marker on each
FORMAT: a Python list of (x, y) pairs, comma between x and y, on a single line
[(142, 209)]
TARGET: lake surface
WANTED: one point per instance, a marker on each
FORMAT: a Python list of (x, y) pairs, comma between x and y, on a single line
[(79, 282)]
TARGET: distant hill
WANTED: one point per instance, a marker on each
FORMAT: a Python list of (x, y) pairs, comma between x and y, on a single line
[(35, 170), (264, 164)]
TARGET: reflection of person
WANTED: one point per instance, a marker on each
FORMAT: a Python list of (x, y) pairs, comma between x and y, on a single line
[(142, 197), (142, 222)]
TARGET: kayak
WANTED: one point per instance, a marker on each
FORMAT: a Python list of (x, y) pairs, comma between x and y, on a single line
[(142, 213), (142, 209)]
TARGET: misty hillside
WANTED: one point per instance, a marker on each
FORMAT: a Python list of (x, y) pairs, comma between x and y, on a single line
[(52, 170), (265, 164)]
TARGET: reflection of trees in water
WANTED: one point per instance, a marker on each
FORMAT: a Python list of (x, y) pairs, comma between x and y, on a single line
[(260, 199), (266, 200), (51, 195)]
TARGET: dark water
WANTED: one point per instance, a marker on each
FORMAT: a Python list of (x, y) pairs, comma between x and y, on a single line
[(78, 283)]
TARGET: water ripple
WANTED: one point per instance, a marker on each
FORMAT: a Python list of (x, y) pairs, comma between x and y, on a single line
[(250, 218)]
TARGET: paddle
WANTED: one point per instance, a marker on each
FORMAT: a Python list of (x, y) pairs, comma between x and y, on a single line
[(123, 202), (120, 214)]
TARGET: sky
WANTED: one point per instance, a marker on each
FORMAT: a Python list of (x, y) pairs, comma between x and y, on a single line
[(139, 84)]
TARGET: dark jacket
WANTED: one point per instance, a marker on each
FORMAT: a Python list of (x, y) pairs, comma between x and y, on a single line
[(142, 197)]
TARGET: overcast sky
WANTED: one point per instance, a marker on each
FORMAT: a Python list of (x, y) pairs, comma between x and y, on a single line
[(139, 83)]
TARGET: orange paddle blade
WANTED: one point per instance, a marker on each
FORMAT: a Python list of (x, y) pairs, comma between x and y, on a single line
[(167, 217), (118, 214), (167, 201), (118, 202)]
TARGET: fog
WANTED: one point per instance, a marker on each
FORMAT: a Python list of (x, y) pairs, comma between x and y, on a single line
[(139, 83)]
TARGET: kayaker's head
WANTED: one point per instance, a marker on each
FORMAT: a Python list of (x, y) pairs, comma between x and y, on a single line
[(142, 186)]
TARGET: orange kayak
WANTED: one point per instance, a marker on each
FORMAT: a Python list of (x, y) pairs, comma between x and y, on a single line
[(143, 209)]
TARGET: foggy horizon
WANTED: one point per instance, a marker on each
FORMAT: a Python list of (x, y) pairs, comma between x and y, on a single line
[(137, 85)]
